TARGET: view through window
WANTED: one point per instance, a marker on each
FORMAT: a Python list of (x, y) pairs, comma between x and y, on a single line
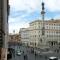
[(34, 29)]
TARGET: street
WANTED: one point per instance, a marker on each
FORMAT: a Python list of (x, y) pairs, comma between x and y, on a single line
[(31, 56)]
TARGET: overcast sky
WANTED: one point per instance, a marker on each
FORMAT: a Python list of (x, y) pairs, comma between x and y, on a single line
[(22, 12)]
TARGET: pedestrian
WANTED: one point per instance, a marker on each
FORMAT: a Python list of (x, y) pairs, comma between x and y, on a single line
[(25, 57), (40, 55), (23, 52), (46, 57), (14, 53), (35, 54)]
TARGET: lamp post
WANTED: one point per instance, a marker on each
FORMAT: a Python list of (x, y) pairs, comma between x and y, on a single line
[(14, 41), (35, 48)]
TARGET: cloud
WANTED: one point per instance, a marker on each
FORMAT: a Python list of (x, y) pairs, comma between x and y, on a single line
[(28, 5), (52, 5), (17, 25), (24, 11), (11, 20), (57, 16), (32, 5)]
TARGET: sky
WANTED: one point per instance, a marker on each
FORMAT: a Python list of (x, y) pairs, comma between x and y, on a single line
[(22, 12)]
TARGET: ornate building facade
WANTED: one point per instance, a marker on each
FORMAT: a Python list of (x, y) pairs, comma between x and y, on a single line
[(51, 37)]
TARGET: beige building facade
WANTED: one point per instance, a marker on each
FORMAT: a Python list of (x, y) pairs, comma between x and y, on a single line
[(52, 32), (51, 35), (14, 38), (24, 32)]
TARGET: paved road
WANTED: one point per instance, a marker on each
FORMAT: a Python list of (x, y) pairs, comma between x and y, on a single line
[(31, 56)]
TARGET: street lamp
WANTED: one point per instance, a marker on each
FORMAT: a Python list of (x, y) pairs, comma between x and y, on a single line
[(35, 48), (14, 42)]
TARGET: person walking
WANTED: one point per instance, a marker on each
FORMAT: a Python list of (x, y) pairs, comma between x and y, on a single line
[(25, 57), (46, 57)]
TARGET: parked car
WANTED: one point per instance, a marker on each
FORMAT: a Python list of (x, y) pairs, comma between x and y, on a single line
[(53, 58), (19, 53)]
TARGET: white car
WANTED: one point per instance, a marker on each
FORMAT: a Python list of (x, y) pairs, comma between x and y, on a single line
[(53, 58), (19, 53)]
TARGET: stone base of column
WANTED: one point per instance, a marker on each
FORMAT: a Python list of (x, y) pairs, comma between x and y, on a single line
[(4, 54), (0, 53)]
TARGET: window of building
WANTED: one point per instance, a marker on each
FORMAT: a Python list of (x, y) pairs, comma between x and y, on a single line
[(35, 31), (39, 26), (58, 24), (47, 35), (54, 27), (31, 43), (38, 23), (35, 27), (54, 24), (39, 35), (11, 37), (34, 24), (46, 23), (39, 31), (56, 32), (41, 40), (47, 31), (35, 35), (47, 27)]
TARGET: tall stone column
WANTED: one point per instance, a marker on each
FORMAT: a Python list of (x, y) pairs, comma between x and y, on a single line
[(3, 29)]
